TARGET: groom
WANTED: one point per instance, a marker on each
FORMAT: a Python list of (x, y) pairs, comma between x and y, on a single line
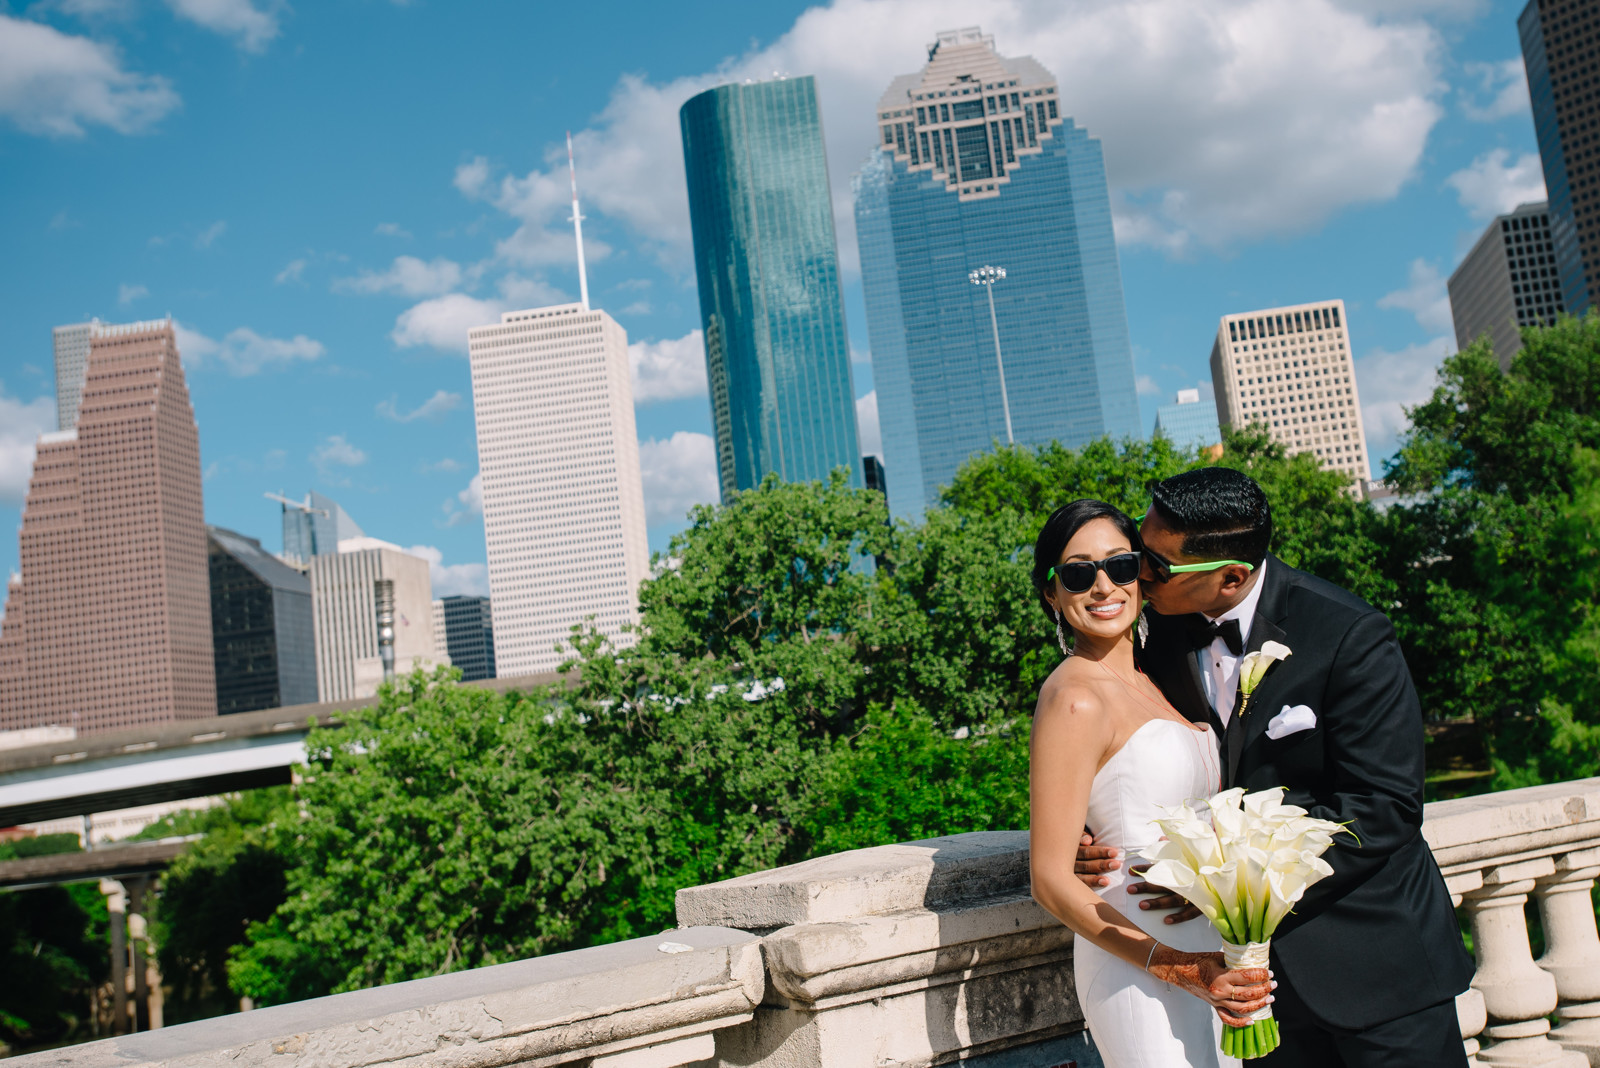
[(1369, 963)]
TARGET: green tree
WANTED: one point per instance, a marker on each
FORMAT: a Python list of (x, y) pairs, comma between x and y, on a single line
[(211, 894), (1498, 594), (53, 954)]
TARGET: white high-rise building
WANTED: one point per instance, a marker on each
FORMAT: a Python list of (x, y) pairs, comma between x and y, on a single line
[(72, 362), (1289, 370), (344, 614), (558, 456)]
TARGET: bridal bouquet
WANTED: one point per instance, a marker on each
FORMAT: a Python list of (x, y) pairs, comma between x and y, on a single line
[(1244, 868)]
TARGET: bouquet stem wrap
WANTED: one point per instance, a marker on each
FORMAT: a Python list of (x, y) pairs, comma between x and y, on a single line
[(1261, 1036)]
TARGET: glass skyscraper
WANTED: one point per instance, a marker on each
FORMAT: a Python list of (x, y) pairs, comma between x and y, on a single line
[(978, 165), (1560, 42), (315, 527), (777, 355)]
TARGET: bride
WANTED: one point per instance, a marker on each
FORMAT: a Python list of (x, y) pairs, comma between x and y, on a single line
[(1108, 749)]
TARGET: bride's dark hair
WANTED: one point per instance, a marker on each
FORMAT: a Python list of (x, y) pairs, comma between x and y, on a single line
[(1063, 523)]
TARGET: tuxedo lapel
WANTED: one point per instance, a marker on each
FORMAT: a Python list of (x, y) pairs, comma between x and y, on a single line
[(1263, 628)]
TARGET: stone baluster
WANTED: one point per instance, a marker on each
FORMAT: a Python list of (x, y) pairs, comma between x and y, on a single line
[(1572, 949), (1470, 1011), (117, 908), (1517, 993)]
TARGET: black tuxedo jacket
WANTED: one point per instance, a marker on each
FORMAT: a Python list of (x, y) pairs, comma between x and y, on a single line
[(1378, 938)]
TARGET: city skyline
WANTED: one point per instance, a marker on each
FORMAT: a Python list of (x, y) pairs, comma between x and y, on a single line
[(314, 324)]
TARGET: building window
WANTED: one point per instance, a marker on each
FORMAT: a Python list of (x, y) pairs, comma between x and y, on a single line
[(925, 155), (944, 112), (1011, 156), (967, 109), (972, 144)]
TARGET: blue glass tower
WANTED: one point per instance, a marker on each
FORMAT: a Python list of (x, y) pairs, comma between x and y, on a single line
[(1560, 42), (1188, 423), (978, 165), (777, 355)]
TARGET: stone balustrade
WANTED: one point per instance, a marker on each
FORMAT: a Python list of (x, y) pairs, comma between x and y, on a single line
[(916, 954)]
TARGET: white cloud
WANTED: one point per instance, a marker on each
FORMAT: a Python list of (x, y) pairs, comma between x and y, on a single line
[(292, 272), (21, 423), (1505, 87), (1221, 122), (447, 464), (206, 237), (1492, 186), (471, 498), (243, 351), (870, 437), (335, 452), (668, 370), (252, 28), (443, 322), (521, 292), (1425, 297), (391, 230), (678, 473), (468, 504), (1390, 381), (451, 580), (441, 403), (408, 276), (54, 83), (1148, 387), (127, 294)]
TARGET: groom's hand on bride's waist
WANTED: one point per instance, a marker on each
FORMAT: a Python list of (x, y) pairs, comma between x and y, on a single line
[(1095, 861)]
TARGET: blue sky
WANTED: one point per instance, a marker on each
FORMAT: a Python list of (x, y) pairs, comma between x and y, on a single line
[(325, 196)]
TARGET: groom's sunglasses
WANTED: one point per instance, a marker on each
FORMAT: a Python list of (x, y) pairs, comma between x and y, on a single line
[(1077, 576), (1163, 569)]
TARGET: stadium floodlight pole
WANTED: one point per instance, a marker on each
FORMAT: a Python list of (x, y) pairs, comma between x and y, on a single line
[(986, 277)]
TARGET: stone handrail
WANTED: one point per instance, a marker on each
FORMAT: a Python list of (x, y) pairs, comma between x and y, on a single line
[(916, 954)]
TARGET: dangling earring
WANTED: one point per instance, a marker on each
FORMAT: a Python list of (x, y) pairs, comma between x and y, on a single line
[(1144, 629), (1061, 636)]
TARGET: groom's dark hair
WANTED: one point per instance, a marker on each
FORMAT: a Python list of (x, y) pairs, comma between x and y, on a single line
[(1221, 513)]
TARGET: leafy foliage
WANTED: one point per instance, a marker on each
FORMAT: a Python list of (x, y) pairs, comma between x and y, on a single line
[(52, 955)]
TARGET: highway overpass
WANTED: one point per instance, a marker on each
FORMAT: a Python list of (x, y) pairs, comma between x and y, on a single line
[(172, 761)]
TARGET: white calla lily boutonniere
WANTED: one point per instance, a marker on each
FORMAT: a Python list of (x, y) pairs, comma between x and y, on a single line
[(1253, 668)]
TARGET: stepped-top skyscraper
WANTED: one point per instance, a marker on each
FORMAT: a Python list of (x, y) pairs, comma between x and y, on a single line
[(1560, 44), (978, 166), (110, 623), (777, 355)]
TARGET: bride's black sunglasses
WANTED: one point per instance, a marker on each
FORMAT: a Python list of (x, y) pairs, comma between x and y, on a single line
[(1077, 576)]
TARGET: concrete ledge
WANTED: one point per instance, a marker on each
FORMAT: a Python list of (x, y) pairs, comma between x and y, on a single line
[(633, 1004), (1472, 832), (865, 882)]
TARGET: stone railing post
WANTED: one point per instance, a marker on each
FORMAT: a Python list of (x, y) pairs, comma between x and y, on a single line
[(1470, 1010), (1572, 949), (1516, 991)]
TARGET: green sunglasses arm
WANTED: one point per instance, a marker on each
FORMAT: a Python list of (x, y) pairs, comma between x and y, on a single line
[(1210, 565)]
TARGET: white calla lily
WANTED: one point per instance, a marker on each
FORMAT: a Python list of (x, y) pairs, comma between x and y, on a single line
[(1245, 869)]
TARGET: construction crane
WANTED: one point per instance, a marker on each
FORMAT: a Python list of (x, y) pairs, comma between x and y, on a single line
[(302, 506)]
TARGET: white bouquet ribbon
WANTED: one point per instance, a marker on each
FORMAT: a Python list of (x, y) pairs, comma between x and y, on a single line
[(1249, 955)]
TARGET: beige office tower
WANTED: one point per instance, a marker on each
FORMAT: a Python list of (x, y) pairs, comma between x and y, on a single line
[(109, 624), (344, 616), (1289, 370), (558, 455), (1508, 281)]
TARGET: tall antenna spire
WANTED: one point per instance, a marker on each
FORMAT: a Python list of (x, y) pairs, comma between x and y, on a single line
[(577, 227)]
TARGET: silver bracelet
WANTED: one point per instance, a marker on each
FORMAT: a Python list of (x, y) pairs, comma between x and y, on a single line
[(1151, 957)]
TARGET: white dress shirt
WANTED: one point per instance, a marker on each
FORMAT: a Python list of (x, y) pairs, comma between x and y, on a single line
[(1219, 668)]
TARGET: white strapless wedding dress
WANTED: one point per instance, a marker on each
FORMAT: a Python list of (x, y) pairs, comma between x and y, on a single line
[(1138, 1021)]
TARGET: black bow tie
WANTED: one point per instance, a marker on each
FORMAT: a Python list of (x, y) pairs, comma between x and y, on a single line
[(1203, 632)]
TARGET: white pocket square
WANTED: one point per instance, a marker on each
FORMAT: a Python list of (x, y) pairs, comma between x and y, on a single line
[(1291, 721)]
